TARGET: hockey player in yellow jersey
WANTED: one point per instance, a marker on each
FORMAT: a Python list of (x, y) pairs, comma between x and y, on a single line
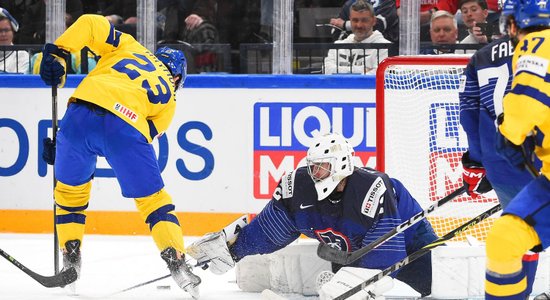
[(523, 130), (116, 111)]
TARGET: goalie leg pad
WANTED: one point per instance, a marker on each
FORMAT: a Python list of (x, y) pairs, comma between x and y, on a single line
[(348, 277), (212, 249)]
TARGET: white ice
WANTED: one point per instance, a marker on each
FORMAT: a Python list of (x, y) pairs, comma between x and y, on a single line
[(109, 265)]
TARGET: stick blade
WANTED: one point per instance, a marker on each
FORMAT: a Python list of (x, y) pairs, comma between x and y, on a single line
[(59, 280), (331, 254)]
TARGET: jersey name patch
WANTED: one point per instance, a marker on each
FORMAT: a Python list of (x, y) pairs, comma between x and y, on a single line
[(288, 185), (372, 199), (128, 113), (462, 84), (285, 189), (532, 64)]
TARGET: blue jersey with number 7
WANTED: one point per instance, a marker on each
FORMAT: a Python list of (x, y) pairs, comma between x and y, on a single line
[(486, 80), (129, 82)]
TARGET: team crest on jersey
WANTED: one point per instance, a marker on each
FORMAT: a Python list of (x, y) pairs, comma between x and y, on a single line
[(373, 198), (128, 113), (334, 239)]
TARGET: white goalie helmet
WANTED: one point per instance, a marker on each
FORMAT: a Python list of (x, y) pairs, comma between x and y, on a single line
[(329, 160)]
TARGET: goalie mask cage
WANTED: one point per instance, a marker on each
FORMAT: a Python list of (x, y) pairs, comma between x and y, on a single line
[(419, 137)]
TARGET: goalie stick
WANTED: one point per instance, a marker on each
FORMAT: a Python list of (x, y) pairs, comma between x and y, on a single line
[(326, 252), (422, 251), (58, 280)]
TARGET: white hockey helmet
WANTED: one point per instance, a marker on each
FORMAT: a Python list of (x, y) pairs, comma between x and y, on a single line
[(329, 160)]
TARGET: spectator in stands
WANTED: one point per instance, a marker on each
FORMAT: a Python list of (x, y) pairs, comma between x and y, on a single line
[(443, 32), (362, 61), (33, 26), (11, 61), (387, 21), (474, 15), (427, 9)]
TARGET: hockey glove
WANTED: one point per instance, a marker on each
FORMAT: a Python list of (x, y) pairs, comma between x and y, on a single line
[(512, 153), (349, 277), (53, 65), (48, 151), (473, 177)]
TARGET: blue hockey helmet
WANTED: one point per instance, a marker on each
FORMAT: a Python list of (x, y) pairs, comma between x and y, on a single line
[(527, 13), (175, 61)]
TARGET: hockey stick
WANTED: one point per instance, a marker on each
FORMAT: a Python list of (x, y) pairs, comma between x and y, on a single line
[(140, 285), (58, 280), (326, 252), (417, 254), (54, 136), (528, 161)]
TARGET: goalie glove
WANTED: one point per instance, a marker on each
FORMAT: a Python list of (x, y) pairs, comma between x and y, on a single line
[(211, 251), (348, 277), (473, 177)]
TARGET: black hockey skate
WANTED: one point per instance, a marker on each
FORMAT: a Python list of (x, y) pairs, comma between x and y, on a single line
[(71, 258), (181, 272)]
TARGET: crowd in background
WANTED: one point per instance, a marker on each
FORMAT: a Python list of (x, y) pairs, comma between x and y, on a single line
[(444, 25)]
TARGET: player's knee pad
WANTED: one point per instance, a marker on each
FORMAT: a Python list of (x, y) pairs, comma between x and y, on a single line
[(158, 212), (508, 240), (71, 203)]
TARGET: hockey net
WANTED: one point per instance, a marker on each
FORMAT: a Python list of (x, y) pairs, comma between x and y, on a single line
[(419, 137)]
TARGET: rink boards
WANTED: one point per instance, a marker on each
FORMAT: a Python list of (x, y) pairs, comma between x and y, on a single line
[(231, 139)]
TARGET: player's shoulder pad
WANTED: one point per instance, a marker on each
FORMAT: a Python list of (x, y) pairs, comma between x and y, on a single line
[(533, 54)]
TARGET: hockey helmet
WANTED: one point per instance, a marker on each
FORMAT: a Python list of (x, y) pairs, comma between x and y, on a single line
[(527, 13), (175, 61), (329, 160)]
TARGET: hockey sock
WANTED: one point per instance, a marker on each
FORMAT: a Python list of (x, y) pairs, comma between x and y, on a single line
[(71, 203), (158, 211), (508, 240), (530, 262)]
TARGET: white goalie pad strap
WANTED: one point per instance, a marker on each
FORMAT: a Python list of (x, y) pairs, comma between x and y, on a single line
[(212, 249), (348, 277)]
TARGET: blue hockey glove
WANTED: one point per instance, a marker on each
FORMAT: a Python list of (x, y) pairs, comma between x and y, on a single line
[(513, 154), (52, 67), (473, 177), (48, 152)]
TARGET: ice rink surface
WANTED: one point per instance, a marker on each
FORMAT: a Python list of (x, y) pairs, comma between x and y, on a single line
[(111, 264)]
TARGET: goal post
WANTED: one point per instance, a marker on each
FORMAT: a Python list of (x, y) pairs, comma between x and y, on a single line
[(419, 139)]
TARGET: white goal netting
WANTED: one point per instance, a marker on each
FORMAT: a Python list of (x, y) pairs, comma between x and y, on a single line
[(419, 137)]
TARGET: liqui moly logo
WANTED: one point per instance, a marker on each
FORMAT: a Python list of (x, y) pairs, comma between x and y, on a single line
[(447, 142), (284, 131)]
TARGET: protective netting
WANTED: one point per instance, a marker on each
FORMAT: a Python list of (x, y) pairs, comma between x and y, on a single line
[(423, 140)]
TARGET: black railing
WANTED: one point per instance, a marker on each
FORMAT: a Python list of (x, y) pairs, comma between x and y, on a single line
[(205, 58), (451, 48), (307, 58)]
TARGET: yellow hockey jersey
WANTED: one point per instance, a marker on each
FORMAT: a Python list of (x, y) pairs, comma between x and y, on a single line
[(527, 106), (128, 79)]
